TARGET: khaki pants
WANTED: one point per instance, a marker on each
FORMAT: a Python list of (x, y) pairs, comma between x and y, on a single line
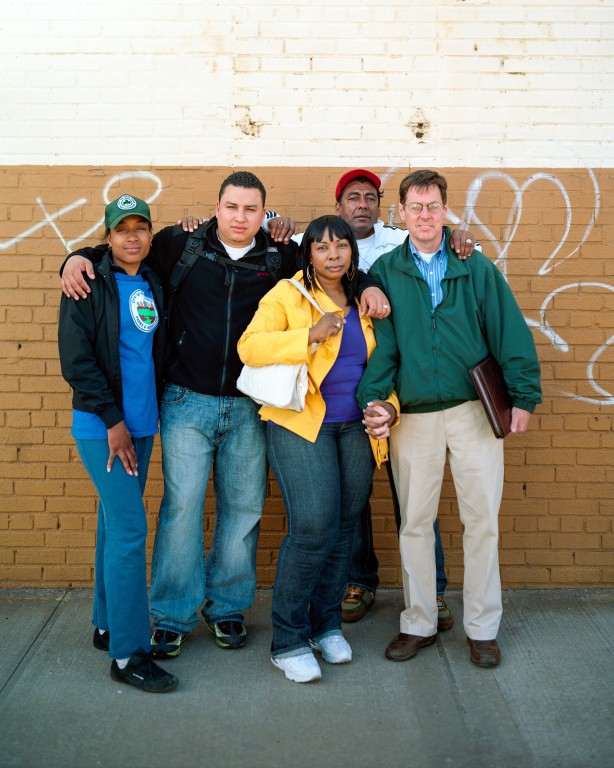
[(418, 448)]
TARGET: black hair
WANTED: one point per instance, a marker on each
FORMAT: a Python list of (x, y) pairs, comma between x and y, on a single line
[(333, 226), (243, 179)]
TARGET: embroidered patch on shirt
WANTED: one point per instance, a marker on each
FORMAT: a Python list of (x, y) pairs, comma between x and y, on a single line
[(143, 311)]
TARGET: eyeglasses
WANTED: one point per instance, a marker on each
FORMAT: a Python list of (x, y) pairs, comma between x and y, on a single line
[(434, 207)]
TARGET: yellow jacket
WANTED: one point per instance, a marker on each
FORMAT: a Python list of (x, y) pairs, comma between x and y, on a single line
[(279, 333)]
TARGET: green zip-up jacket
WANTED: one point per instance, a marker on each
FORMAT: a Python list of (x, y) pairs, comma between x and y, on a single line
[(425, 354)]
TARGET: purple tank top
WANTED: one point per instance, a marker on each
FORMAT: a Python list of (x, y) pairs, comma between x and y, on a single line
[(339, 387)]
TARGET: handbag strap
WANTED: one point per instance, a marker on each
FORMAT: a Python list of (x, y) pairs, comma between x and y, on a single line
[(307, 295)]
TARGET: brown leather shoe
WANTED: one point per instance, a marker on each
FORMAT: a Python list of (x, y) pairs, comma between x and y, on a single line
[(405, 647), (484, 653)]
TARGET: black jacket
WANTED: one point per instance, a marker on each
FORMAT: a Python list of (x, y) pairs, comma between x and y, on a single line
[(213, 306), (88, 339)]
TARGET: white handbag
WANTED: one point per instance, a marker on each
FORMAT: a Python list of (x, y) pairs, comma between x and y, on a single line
[(281, 385)]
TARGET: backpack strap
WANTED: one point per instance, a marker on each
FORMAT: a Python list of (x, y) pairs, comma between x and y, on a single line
[(191, 253), (195, 248), (273, 262)]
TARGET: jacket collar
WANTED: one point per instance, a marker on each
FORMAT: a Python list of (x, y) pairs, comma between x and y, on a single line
[(104, 267), (405, 261), (211, 236)]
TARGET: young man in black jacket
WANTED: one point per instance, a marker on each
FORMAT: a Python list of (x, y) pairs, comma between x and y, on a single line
[(205, 420)]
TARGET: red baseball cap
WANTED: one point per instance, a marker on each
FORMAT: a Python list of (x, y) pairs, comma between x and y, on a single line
[(356, 174)]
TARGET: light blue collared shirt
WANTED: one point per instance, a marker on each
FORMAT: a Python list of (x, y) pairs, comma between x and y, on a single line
[(434, 271)]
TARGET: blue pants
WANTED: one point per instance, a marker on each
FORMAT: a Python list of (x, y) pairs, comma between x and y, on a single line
[(198, 431), (324, 486), (364, 564), (120, 594)]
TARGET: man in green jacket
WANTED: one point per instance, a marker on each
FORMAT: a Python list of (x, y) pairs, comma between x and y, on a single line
[(447, 315)]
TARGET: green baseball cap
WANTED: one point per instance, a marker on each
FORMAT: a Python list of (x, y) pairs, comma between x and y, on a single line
[(124, 206)]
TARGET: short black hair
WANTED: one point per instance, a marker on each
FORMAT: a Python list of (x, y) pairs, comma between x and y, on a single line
[(243, 179), (333, 226)]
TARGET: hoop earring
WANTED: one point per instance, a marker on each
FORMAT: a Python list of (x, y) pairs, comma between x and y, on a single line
[(351, 273), (310, 273)]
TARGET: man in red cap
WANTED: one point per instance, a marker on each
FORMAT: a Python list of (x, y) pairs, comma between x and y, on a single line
[(358, 198)]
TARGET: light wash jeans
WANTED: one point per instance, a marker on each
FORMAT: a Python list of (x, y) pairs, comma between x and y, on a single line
[(324, 486), (196, 431), (120, 591)]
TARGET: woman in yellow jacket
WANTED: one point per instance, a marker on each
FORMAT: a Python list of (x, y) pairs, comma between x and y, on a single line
[(322, 457)]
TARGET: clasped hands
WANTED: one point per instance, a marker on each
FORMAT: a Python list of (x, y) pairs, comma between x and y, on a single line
[(379, 416)]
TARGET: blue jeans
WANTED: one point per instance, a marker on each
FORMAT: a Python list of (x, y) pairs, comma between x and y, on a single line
[(198, 431), (324, 486), (120, 592), (364, 564)]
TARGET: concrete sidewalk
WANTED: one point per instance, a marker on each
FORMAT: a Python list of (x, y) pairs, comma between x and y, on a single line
[(549, 703)]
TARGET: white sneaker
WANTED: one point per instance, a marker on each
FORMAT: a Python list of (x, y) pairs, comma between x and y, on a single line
[(335, 649), (300, 669)]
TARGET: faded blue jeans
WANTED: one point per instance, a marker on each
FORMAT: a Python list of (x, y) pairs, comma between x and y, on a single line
[(364, 564), (324, 486), (120, 588), (198, 431)]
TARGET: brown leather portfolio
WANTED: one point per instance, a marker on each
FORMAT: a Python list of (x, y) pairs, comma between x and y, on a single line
[(490, 385)]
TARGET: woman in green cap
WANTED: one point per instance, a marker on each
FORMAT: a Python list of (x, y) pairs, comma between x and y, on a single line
[(111, 354)]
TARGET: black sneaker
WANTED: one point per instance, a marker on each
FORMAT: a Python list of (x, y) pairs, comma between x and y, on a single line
[(101, 641), (229, 634), (166, 644), (144, 673)]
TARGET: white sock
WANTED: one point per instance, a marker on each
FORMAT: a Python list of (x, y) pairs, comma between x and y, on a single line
[(102, 631), (122, 663)]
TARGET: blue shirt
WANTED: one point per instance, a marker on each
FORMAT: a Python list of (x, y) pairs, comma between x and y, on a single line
[(138, 319), (433, 272), (339, 386)]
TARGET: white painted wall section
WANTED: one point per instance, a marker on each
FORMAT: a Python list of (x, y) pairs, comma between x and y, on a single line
[(456, 83)]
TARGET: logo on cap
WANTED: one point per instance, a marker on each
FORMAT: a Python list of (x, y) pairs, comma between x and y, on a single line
[(126, 203)]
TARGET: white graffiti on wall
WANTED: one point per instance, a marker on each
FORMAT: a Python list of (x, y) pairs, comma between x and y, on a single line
[(560, 253), (51, 219)]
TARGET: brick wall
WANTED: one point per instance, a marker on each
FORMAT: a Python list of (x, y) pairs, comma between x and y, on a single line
[(548, 230), (513, 100)]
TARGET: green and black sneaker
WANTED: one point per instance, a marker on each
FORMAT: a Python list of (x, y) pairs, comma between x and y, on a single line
[(166, 644), (229, 634)]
